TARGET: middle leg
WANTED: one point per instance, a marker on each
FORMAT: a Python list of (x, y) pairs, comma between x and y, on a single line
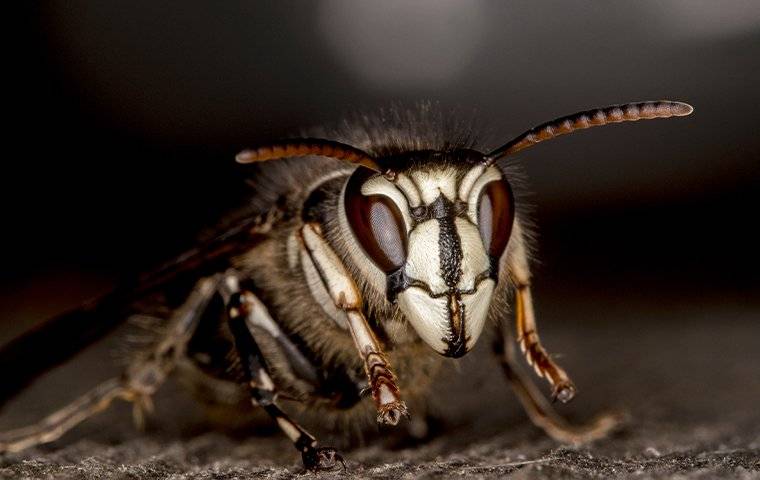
[(240, 308)]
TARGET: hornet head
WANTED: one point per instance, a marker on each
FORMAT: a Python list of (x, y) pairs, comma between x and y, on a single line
[(433, 225), (436, 229)]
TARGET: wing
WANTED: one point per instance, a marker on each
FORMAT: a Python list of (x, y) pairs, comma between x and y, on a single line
[(58, 339)]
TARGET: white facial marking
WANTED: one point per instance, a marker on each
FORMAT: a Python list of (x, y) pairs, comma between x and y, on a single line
[(491, 174), (468, 181), (429, 316), (433, 184), (476, 308), (409, 189), (423, 261), (474, 257), (381, 186)]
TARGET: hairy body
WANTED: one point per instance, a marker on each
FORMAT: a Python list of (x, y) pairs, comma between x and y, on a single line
[(351, 273)]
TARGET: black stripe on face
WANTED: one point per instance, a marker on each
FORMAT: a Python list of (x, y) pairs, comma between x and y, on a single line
[(457, 344), (450, 254), (449, 245)]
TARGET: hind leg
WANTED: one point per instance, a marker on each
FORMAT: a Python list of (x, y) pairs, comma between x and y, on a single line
[(139, 382)]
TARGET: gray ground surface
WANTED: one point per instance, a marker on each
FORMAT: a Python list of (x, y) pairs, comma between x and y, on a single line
[(686, 372)]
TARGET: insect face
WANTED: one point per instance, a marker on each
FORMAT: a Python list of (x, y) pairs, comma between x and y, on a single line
[(436, 230)]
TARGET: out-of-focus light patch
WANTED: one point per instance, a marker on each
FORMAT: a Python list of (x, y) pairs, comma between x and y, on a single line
[(395, 44), (709, 18)]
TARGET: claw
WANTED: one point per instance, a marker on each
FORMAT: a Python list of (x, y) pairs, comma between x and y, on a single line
[(322, 458), (564, 392), (391, 413), (340, 459)]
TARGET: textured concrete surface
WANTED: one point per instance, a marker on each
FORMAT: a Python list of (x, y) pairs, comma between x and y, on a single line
[(685, 372)]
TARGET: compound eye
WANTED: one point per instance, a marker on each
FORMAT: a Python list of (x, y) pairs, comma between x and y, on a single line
[(495, 216), (378, 225)]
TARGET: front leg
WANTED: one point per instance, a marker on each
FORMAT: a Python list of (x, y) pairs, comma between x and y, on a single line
[(240, 308), (346, 297)]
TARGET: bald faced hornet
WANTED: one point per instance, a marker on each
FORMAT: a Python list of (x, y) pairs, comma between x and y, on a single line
[(363, 263)]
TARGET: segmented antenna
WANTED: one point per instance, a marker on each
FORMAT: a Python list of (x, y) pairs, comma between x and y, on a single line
[(304, 147), (628, 112)]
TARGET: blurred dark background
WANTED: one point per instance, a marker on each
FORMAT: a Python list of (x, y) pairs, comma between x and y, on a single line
[(125, 117), (122, 120)]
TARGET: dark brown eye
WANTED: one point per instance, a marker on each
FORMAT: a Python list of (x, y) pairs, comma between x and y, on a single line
[(495, 216), (378, 225)]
